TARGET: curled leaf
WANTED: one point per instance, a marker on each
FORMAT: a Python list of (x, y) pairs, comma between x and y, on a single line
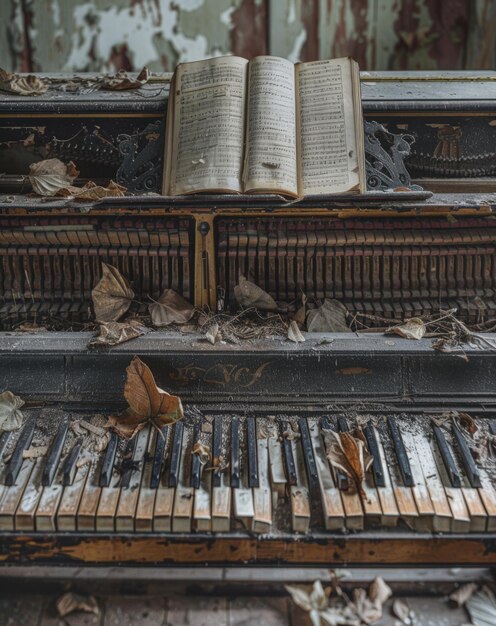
[(203, 451), (114, 333), (91, 192), (29, 85), (294, 333), (126, 424), (70, 602), (112, 295), (349, 454), (50, 176), (10, 416), (413, 328), (122, 80), (170, 308), (213, 334), (468, 423), (328, 318), (248, 295), (462, 594), (401, 611)]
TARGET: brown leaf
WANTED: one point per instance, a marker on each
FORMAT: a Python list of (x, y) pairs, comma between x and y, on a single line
[(413, 328), (170, 308), (328, 318), (30, 327), (126, 424), (70, 602), (350, 454), (301, 313), (250, 295), (91, 192), (50, 176), (203, 451), (112, 295), (29, 85), (146, 399), (294, 333), (114, 333), (462, 594), (468, 423), (122, 80)]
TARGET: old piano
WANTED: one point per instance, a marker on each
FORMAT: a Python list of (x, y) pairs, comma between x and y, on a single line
[(262, 406)]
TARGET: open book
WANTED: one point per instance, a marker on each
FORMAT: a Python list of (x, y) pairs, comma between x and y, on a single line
[(265, 126)]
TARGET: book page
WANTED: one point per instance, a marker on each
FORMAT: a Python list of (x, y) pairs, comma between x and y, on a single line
[(270, 162), (208, 126), (327, 141)]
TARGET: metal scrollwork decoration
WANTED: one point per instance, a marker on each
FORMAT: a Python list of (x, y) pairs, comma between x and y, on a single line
[(384, 158), (141, 168)]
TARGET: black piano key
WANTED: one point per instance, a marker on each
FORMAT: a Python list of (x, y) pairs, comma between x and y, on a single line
[(251, 436), (175, 458), (377, 468), (310, 464), (69, 469), (448, 460), (15, 463), (217, 450), (196, 467), (128, 465), (401, 455), (466, 456), (158, 457), (235, 453), (55, 453), (492, 426), (108, 461), (343, 424), (288, 456), (4, 437), (343, 482)]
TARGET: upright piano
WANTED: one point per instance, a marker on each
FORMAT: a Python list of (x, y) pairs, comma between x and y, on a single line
[(266, 407)]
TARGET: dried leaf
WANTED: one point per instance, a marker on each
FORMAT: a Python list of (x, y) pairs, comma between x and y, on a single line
[(112, 295), (122, 80), (170, 308), (146, 399), (315, 603), (50, 176), (127, 424), (401, 611), (328, 318), (203, 451), (463, 593), (91, 192), (10, 416), (70, 602), (86, 458), (248, 295), (413, 328), (213, 334), (468, 423), (294, 333), (482, 608), (379, 591), (114, 333), (35, 452), (301, 313), (29, 85), (348, 453), (29, 327)]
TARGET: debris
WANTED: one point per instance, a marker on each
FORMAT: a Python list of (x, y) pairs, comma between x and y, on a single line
[(147, 402), (402, 611), (414, 328), (48, 177), (85, 457), (316, 603), (203, 451), (368, 606), (35, 452), (248, 294), (122, 80), (114, 333), (462, 594), (112, 295), (349, 453), (170, 308), (29, 85), (481, 607), (213, 334), (330, 317), (294, 333), (70, 602), (301, 313), (468, 423), (90, 192), (30, 327), (290, 434), (10, 416)]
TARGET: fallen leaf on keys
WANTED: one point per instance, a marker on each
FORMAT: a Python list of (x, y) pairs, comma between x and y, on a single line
[(147, 402), (122, 80), (294, 333), (290, 434), (248, 295), (49, 176), (29, 85), (91, 192), (413, 328), (328, 318), (481, 607), (35, 452), (402, 612), (213, 334), (70, 602), (170, 308), (349, 454), (10, 416), (114, 333), (112, 295), (462, 594), (468, 423), (203, 451)]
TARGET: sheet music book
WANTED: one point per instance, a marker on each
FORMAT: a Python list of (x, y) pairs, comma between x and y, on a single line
[(265, 125)]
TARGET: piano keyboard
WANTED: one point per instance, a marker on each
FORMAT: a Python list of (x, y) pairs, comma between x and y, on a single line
[(225, 473)]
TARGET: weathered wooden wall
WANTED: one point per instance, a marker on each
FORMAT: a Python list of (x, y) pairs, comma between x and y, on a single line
[(102, 35)]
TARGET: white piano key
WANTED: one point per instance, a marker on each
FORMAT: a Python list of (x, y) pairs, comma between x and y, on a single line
[(128, 496), (298, 494), (25, 514), (13, 494), (262, 495), (396, 500), (221, 505), (277, 474), (420, 491), (146, 497), (184, 496)]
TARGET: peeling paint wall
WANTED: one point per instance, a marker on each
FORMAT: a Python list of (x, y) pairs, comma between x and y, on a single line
[(103, 35)]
